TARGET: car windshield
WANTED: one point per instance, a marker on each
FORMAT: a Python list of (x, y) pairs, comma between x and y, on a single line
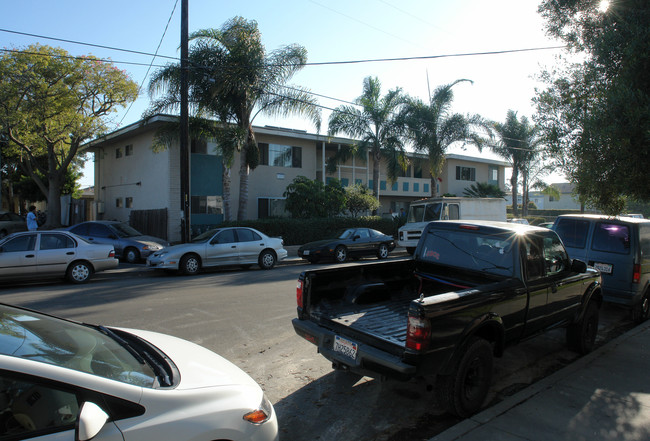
[(206, 236), (33, 336), (125, 230), (463, 249), (346, 234)]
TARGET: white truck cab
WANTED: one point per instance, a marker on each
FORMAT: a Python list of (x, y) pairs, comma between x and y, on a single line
[(447, 208)]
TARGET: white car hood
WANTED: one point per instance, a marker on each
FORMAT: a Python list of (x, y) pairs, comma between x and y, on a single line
[(198, 366)]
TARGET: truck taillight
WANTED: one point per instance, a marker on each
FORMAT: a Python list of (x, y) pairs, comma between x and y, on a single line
[(299, 294), (636, 273), (418, 333)]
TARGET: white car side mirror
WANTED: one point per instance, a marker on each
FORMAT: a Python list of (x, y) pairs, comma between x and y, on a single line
[(91, 420)]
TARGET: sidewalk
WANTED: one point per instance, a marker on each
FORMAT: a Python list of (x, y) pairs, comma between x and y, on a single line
[(604, 395)]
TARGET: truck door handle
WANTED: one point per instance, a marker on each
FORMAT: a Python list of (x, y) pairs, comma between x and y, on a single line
[(29, 255), (234, 246)]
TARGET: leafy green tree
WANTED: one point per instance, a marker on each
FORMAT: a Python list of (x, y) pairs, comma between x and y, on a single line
[(483, 190), (234, 79), (595, 113), (519, 144), (433, 127), (306, 198), (374, 121), (51, 103), (359, 199)]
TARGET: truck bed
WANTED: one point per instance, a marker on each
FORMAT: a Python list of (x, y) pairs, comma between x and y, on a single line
[(385, 320)]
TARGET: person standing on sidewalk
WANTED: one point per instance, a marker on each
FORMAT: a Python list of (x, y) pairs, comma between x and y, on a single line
[(32, 224)]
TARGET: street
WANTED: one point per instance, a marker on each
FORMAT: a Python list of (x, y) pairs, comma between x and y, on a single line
[(245, 316)]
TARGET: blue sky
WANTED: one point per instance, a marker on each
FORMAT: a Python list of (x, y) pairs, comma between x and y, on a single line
[(331, 30)]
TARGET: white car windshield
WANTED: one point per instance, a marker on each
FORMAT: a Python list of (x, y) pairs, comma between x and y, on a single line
[(33, 336)]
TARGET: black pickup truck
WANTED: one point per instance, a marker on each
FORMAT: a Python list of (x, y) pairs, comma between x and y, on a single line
[(471, 289)]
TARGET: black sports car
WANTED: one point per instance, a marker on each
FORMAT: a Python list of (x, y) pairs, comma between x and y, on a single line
[(352, 242)]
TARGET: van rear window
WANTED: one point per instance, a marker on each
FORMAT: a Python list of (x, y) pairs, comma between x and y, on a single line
[(613, 238), (573, 232)]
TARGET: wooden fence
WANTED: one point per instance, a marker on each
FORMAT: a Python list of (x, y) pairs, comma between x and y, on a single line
[(151, 222)]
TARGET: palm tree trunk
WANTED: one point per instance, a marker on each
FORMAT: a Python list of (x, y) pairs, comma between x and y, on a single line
[(225, 182), (243, 184), (524, 191), (375, 177), (513, 183)]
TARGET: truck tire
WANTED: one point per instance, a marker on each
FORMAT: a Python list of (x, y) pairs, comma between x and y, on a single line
[(463, 392), (581, 336), (641, 311)]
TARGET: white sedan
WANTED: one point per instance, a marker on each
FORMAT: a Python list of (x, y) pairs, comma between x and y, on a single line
[(220, 247), (63, 380), (33, 254)]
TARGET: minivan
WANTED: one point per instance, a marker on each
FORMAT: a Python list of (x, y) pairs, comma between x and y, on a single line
[(619, 247)]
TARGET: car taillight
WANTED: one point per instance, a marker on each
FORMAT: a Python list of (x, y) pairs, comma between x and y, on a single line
[(112, 253), (299, 294), (418, 333), (636, 273)]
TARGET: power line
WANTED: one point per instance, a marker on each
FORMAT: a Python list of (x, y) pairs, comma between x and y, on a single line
[(150, 64)]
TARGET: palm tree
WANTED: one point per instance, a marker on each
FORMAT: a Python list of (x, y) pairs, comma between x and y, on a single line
[(373, 120), (233, 79), (432, 127), (483, 190), (518, 144)]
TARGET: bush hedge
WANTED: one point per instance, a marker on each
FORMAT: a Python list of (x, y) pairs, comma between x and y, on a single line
[(301, 231)]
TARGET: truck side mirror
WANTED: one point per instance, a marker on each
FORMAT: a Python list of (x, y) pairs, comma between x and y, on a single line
[(578, 266)]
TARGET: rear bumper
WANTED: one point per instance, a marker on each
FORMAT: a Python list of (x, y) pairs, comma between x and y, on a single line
[(622, 297), (369, 361)]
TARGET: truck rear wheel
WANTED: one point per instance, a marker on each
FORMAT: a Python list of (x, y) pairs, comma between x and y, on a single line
[(581, 336), (463, 392)]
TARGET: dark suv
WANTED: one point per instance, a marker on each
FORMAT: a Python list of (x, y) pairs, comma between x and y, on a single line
[(619, 247)]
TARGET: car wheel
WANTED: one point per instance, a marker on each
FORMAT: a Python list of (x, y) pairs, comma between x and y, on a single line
[(641, 311), (267, 259), (79, 272), (341, 254), (581, 336), (382, 252), (463, 392), (131, 255), (190, 264)]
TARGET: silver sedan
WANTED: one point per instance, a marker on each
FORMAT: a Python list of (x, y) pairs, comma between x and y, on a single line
[(33, 254), (221, 247)]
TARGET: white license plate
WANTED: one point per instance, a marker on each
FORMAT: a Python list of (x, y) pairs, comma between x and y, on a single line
[(346, 347), (305, 253), (604, 268)]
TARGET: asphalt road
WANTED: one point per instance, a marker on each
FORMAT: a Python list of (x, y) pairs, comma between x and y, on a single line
[(245, 315)]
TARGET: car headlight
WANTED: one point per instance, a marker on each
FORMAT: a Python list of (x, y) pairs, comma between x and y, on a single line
[(261, 414), (152, 247)]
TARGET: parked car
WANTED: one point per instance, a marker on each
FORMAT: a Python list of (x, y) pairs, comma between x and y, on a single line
[(619, 247), (129, 243), (351, 242), (519, 221), (11, 223), (67, 380), (221, 247), (34, 254)]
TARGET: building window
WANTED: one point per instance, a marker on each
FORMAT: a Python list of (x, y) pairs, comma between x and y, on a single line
[(345, 182), (118, 203), (207, 205), (271, 207), (493, 175), (128, 150), (465, 173), (405, 186), (382, 185), (394, 187), (426, 188), (416, 186), (118, 153), (199, 146), (417, 171), (358, 181), (278, 155), (129, 202)]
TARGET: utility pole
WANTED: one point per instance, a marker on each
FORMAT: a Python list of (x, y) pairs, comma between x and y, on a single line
[(184, 129)]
